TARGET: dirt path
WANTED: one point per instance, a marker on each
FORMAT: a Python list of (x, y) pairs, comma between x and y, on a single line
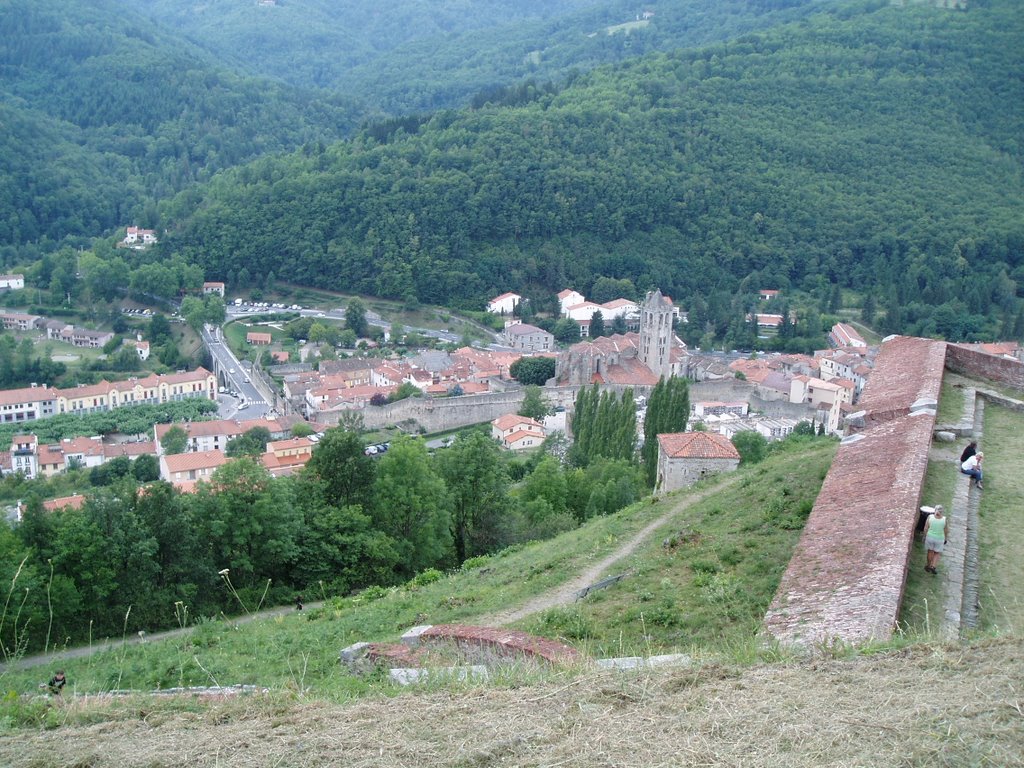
[(566, 593), (561, 595)]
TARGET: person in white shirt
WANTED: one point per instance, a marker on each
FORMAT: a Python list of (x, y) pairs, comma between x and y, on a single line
[(972, 467)]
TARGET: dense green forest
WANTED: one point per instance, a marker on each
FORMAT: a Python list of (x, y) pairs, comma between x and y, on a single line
[(107, 107), (872, 146), (103, 114), (410, 56), (132, 560)]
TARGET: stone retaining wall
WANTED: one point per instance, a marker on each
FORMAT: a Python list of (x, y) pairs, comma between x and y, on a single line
[(981, 365), (846, 577)]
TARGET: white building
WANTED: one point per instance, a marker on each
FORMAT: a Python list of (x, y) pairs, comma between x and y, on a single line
[(505, 304), (516, 432), (12, 282), (139, 236), (568, 298)]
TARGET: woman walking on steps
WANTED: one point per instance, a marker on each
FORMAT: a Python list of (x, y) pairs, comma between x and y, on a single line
[(935, 536)]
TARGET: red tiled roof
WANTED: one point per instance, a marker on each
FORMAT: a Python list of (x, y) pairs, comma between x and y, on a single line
[(64, 502), (507, 295), (147, 447), (510, 420), (697, 445), (522, 434), (186, 462)]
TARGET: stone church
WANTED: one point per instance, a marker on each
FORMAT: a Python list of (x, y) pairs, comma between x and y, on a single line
[(631, 359)]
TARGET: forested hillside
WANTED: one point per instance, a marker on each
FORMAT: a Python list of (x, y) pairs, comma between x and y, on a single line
[(101, 113), (874, 146), (409, 56)]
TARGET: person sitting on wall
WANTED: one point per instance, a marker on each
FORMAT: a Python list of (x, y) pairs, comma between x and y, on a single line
[(972, 467), (970, 450)]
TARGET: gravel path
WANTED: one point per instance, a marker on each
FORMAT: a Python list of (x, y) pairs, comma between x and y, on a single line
[(566, 593)]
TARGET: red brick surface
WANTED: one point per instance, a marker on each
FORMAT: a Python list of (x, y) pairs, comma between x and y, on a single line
[(393, 655), (504, 642), (907, 370), (981, 365), (845, 579)]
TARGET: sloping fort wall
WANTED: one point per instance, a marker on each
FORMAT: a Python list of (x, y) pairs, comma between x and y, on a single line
[(846, 577)]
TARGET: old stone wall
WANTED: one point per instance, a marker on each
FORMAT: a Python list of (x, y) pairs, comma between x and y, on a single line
[(444, 413), (846, 577), (981, 365), (674, 474)]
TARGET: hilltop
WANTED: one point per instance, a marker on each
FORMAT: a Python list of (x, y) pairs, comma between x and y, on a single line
[(874, 147)]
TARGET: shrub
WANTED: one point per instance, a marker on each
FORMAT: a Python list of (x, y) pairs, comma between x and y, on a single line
[(428, 576)]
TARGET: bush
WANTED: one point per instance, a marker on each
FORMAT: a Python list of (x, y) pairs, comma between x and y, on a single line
[(428, 576)]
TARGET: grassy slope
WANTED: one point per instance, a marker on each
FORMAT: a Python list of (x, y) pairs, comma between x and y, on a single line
[(692, 594), (1002, 533), (713, 581), (925, 705)]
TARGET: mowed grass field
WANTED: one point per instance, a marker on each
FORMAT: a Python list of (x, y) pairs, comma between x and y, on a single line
[(1001, 536)]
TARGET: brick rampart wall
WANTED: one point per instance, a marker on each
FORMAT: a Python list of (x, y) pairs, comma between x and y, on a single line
[(981, 365), (474, 644), (845, 579), (509, 643)]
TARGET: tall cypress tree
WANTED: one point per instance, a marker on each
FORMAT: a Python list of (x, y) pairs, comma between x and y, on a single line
[(667, 411), (603, 425)]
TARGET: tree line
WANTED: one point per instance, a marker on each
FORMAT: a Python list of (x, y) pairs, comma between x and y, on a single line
[(133, 552)]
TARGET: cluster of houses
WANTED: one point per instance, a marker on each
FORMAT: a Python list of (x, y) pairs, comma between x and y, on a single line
[(355, 383), (572, 305), (204, 451), (58, 330), (207, 442), (39, 402), (139, 238)]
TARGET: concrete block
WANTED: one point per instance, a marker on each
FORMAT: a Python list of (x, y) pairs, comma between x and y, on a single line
[(415, 676), (353, 653), (412, 635), (943, 436), (627, 662), (670, 660)]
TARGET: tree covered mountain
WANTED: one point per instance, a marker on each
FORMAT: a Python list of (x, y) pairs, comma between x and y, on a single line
[(873, 146), (409, 56), (102, 113), (107, 106)]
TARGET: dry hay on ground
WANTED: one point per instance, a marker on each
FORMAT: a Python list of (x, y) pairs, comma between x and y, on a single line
[(930, 706)]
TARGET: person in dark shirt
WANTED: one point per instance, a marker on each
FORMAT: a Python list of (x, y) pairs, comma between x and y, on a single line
[(57, 683), (970, 450)]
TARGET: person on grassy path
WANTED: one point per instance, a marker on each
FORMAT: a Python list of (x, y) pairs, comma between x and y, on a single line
[(972, 467), (935, 536)]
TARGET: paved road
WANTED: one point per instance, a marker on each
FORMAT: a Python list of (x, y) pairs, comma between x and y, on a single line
[(252, 404)]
